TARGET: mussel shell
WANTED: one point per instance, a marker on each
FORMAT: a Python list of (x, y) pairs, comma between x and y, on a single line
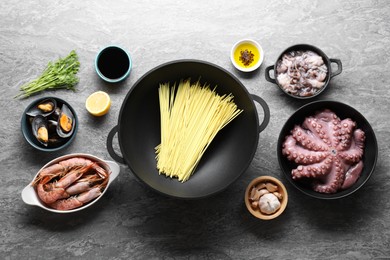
[(34, 111), (56, 113), (38, 122), (52, 126), (56, 140), (65, 111)]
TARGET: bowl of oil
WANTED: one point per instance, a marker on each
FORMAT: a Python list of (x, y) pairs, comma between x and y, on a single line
[(247, 55)]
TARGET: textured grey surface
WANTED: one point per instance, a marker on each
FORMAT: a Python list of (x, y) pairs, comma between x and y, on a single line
[(133, 222)]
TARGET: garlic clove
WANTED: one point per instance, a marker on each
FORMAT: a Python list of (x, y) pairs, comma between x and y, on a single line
[(256, 194), (271, 187), (253, 194), (255, 204), (262, 192), (277, 194), (260, 186)]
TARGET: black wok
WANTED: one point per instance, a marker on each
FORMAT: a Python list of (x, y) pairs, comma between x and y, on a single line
[(226, 159)]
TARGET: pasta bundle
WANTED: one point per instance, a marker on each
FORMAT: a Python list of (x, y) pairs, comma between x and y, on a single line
[(190, 119)]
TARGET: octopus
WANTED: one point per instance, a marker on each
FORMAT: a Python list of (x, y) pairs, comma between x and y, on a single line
[(327, 151), (301, 73)]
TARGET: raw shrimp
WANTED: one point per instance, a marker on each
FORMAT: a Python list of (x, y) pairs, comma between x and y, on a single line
[(85, 184), (50, 192), (77, 201), (69, 177), (61, 168)]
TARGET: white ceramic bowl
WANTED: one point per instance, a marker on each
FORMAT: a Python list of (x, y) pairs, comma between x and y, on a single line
[(250, 42), (30, 197)]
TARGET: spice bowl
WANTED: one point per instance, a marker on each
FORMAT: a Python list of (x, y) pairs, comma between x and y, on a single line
[(266, 197), (247, 55)]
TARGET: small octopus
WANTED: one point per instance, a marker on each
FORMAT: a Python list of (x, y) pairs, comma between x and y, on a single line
[(327, 150), (301, 73)]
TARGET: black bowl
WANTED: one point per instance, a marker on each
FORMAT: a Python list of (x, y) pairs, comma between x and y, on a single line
[(343, 111), (32, 140), (305, 47)]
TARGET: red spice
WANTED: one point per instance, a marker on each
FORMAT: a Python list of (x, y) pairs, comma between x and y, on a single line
[(246, 57)]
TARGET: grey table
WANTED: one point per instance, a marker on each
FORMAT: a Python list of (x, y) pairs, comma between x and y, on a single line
[(133, 222)]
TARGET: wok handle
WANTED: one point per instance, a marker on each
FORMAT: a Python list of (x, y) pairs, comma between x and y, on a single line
[(267, 76), (339, 67), (267, 113), (110, 149)]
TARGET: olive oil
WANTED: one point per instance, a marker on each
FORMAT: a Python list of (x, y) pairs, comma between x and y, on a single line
[(246, 55)]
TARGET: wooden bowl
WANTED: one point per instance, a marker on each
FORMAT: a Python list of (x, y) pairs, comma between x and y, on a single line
[(281, 189)]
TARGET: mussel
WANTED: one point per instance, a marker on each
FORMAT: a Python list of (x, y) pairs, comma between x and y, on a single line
[(52, 122), (40, 129), (66, 122), (45, 108)]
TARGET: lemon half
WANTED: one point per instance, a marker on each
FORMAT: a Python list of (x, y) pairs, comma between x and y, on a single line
[(98, 103)]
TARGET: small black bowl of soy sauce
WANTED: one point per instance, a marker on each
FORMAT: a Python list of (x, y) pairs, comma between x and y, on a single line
[(113, 64)]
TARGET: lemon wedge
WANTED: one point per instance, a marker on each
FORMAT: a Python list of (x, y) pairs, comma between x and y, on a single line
[(98, 103)]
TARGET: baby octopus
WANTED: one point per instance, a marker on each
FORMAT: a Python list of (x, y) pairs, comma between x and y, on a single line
[(301, 73), (327, 150)]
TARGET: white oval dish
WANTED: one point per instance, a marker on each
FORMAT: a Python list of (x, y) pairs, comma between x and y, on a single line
[(251, 42), (30, 196)]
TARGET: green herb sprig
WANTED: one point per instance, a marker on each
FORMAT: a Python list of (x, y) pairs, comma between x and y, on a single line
[(58, 75)]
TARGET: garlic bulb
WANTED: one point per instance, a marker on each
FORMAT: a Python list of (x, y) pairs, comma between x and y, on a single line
[(269, 203)]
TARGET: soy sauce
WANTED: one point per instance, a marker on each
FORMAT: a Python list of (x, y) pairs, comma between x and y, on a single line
[(113, 63)]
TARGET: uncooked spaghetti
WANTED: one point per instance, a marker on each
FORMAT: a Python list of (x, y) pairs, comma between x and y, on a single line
[(191, 117)]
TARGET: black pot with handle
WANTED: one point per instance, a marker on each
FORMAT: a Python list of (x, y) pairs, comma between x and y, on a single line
[(225, 160), (305, 47)]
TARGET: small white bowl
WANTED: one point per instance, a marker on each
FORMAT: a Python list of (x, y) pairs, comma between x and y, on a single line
[(255, 45), (29, 194)]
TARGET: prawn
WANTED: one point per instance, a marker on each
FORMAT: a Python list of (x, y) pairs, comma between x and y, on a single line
[(77, 201), (50, 192), (68, 172), (63, 167), (84, 184)]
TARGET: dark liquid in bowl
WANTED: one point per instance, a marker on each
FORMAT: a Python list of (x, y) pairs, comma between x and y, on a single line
[(113, 63)]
